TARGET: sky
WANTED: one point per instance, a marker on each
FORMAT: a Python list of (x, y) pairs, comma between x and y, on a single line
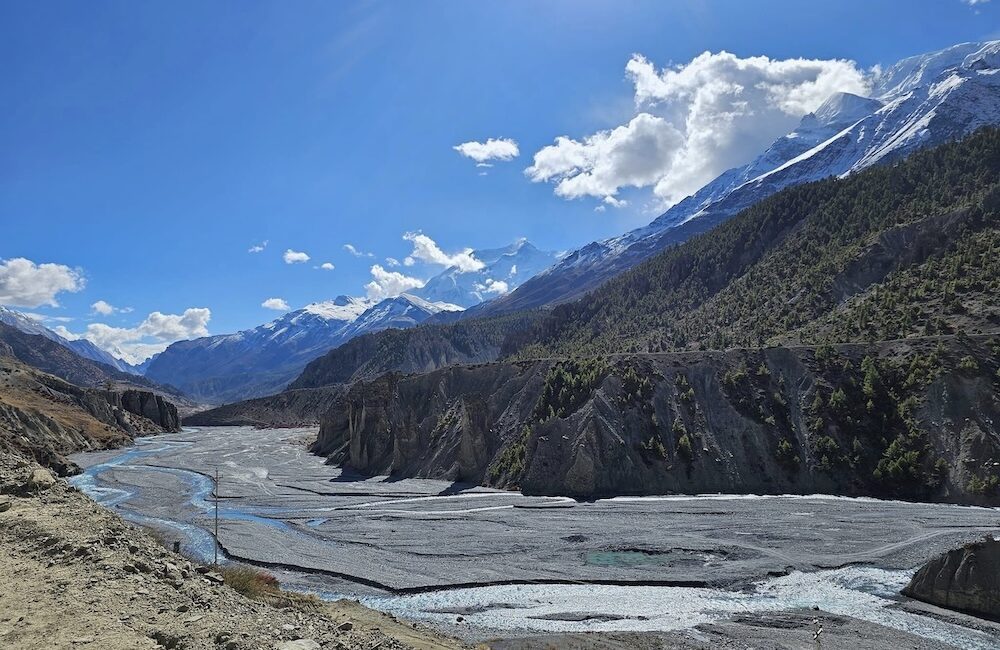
[(174, 169)]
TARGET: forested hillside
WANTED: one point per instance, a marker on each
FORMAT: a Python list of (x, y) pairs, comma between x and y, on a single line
[(883, 235)]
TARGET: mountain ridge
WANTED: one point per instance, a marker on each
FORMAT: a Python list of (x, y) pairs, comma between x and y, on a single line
[(922, 101)]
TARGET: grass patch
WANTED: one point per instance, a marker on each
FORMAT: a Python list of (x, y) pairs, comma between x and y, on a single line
[(249, 581)]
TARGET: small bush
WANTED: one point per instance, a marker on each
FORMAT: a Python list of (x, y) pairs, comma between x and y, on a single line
[(786, 455), (249, 581), (969, 364), (684, 449)]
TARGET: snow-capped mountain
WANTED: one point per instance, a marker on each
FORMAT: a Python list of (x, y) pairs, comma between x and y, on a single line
[(83, 347), (504, 270), (919, 102), (262, 360)]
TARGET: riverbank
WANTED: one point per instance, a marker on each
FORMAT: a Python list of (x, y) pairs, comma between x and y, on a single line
[(75, 575), (481, 564)]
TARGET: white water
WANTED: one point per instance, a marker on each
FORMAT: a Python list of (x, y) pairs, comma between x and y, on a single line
[(865, 593)]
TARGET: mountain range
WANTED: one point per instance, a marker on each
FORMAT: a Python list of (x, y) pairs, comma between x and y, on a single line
[(263, 360), (919, 102), (81, 346)]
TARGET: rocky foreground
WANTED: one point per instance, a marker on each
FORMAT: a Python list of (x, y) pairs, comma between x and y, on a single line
[(75, 575)]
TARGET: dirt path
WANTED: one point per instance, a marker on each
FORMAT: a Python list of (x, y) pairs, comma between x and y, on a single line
[(74, 575)]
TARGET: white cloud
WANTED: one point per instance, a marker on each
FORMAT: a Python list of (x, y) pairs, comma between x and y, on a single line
[(353, 250), (295, 257), (692, 122), (426, 249), (327, 266), (278, 304), (45, 318), (391, 261), (173, 327), (492, 149), (26, 284), (103, 307), (973, 3), (492, 286), (65, 333), (258, 248), (388, 284), (154, 334)]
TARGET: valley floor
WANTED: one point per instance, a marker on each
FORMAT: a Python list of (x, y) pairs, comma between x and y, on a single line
[(74, 575), (479, 564), (77, 576)]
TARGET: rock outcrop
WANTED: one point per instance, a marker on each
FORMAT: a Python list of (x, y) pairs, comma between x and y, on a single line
[(145, 404), (44, 418), (965, 579), (901, 420)]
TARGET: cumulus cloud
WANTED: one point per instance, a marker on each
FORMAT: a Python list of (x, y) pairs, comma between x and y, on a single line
[(26, 284), (492, 286), (295, 257), (327, 266), (492, 149), (388, 284), (152, 335), (426, 249), (104, 308), (258, 248), (391, 261), (278, 304), (353, 250), (693, 121)]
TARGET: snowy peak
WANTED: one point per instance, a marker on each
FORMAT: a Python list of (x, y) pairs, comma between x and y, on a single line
[(343, 308), (505, 269), (915, 71), (844, 109), (404, 310)]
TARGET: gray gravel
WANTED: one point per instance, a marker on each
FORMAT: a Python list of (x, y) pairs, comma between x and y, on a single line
[(336, 534)]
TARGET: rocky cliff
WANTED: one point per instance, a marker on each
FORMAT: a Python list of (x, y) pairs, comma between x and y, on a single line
[(966, 579), (909, 419), (44, 418)]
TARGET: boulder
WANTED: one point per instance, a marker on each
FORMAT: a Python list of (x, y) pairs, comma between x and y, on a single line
[(5, 504), (965, 579), (39, 479)]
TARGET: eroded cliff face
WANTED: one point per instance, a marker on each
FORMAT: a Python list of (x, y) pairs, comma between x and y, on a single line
[(966, 579), (910, 419), (45, 418), (146, 404)]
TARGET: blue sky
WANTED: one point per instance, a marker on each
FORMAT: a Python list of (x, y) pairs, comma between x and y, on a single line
[(147, 146)]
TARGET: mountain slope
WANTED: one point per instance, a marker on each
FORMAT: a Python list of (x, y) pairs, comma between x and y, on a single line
[(789, 259), (740, 421), (921, 101), (43, 418), (263, 360), (595, 408), (44, 354), (83, 347)]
